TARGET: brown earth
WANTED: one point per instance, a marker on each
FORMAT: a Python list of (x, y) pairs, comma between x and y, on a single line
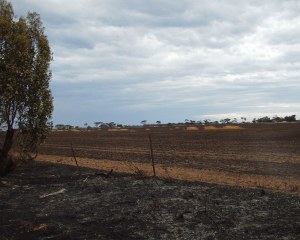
[(49, 199), (260, 155)]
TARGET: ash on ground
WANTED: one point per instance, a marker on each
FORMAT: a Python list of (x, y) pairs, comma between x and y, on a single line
[(54, 201)]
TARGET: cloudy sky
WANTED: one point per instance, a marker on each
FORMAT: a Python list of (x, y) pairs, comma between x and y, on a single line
[(134, 60)]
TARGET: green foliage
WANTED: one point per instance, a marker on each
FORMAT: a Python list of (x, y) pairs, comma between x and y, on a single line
[(25, 56)]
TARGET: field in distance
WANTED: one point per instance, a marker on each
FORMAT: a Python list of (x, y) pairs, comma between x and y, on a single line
[(256, 155)]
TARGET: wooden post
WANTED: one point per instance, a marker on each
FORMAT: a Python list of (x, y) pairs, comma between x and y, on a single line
[(151, 155), (74, 155)]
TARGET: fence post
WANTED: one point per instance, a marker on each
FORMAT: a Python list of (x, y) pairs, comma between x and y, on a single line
[(151, 155), (74, 154)]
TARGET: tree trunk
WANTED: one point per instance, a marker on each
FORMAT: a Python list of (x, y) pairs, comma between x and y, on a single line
[(6, 163)]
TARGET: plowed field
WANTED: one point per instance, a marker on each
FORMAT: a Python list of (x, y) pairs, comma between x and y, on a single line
[(259, 155)]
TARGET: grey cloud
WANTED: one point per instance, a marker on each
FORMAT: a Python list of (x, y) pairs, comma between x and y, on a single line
[(137, 59), (71, 41)]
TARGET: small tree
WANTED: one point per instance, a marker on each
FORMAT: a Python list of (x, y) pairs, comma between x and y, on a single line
[(277, 119), (25, 97), (192, 122), (60, 126), (98, 124), (263, 120), (206, 121), (111, 124), (291, 118)]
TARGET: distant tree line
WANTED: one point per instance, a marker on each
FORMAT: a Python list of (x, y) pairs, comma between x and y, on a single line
[(187, 122), (104, 125), (101, 125), (64, 127), (266, 119)]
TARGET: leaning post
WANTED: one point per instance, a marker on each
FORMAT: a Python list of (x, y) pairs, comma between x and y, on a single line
[(151, 155)]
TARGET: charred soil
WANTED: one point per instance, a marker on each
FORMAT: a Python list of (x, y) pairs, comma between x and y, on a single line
[(56, 201)]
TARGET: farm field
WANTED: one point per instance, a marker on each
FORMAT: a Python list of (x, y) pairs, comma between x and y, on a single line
[(259, 155)]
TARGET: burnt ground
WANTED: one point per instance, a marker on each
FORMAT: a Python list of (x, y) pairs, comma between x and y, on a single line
[(55, 201)]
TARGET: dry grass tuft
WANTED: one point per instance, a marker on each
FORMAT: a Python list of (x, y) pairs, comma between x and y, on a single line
[(183, 173), (118, 130), (232, 127), (113, 130), (192, 128), (227, 127), (210, 128)]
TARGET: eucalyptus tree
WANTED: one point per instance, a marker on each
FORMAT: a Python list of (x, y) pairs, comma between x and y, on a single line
[(25, 96)]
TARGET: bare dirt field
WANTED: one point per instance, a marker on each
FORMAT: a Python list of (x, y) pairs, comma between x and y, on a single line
[(257, 195), (259, 155)]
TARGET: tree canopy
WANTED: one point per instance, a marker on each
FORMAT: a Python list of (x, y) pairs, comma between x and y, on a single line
[(25, 97), (265, 119)]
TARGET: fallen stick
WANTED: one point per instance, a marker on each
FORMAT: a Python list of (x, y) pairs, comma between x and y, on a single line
[(54, 193)]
